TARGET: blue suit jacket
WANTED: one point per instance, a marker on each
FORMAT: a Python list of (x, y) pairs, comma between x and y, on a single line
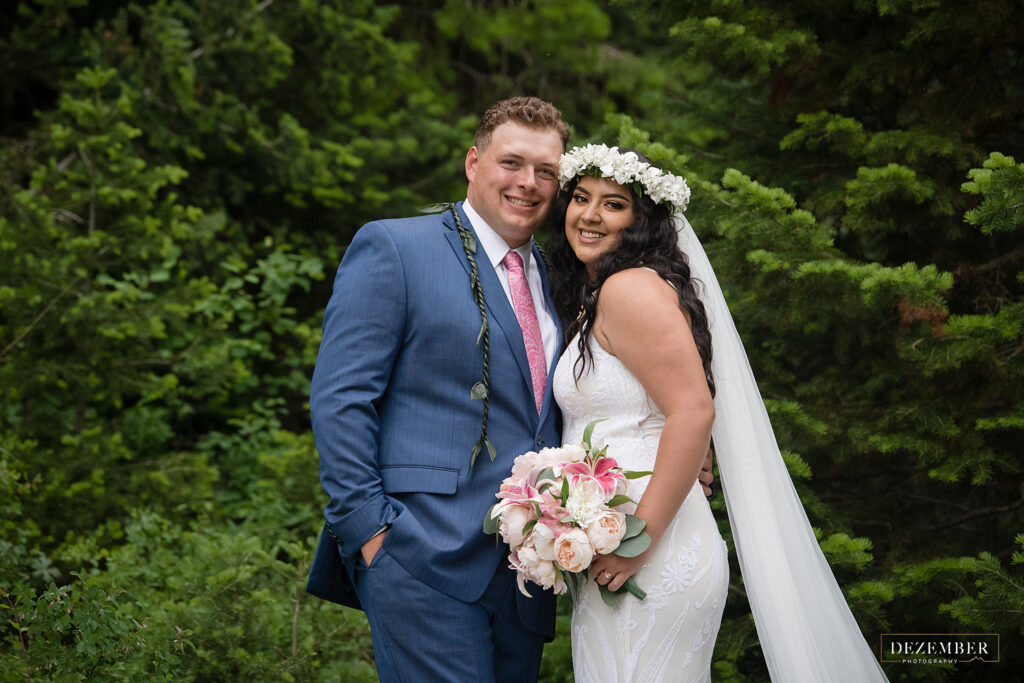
[(394, 422)]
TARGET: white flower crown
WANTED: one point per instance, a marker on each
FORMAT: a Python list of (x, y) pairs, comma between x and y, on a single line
[(625, 168)]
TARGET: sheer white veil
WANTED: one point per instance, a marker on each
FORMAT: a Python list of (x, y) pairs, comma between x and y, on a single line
[(806, 629)]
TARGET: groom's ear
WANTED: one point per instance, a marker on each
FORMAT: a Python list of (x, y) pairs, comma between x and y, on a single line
[(472, 157)]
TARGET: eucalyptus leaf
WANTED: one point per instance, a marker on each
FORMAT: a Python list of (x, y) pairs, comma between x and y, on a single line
[(611, 599), (490, 523), (634, 525), (548, 474), (631, 547)]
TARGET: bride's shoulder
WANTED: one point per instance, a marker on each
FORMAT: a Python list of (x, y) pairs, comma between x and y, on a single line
[(636, 285), (636, 291)]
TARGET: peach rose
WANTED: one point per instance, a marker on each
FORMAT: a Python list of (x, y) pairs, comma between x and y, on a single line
[(573, 551), (606, 531)]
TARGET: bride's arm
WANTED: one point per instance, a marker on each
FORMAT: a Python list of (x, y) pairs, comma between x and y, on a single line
[(640, 322)]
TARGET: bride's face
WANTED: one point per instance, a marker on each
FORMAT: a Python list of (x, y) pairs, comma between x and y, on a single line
[(599, 210)]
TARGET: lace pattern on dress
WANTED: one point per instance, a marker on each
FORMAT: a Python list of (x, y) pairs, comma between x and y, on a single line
[(670, 636)]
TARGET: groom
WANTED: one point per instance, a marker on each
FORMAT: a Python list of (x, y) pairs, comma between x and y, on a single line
[(397, 409)]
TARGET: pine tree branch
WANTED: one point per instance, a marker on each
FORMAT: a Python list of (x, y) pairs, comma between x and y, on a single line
[(38, 317), (981, 268), (974, 514)]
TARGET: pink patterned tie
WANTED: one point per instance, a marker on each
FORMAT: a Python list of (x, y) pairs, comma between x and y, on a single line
[(522, 302)]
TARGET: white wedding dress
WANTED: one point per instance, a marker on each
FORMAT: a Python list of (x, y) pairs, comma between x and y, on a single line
[(669, 636)]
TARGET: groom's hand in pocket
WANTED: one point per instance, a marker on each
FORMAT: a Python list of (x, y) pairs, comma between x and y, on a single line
[(705, 477), (370, 548)]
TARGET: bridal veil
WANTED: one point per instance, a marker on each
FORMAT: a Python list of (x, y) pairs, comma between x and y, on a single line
[(806, 629)]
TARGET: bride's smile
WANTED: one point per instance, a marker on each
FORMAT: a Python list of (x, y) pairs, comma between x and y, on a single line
[(598, 211)]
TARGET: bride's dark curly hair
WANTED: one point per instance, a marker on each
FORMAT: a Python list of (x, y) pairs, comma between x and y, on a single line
[(649, 242)]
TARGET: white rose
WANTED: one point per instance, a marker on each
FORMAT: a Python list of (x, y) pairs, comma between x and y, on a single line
[(573, 551), (513, 519), (586, 501), (606, 532)]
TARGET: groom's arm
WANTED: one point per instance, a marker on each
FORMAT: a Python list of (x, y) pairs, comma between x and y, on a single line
[(363, 329)]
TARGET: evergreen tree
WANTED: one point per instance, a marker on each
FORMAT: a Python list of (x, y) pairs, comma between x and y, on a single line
[(178, 180)]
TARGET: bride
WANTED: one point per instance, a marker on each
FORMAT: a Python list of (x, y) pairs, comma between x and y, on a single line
[(653, 349)]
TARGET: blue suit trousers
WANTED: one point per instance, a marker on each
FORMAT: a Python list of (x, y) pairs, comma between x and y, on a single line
[(423, 635)]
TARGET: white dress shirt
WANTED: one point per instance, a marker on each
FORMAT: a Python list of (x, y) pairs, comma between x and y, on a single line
[(495, 247)]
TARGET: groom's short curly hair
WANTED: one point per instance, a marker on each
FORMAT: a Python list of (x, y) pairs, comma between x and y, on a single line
[(531, 112)]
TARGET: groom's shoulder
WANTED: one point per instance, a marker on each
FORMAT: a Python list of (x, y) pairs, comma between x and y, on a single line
[(412, 227)]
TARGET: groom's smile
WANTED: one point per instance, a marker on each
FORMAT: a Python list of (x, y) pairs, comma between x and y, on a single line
[(513, 179)]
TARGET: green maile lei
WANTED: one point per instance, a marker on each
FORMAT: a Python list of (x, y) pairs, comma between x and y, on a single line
[(482, 389)]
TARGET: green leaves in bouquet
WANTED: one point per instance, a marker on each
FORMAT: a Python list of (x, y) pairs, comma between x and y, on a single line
[(634, 546), (636, 539), (611, 598), (528, 527), (634, 525), (634, 542), (588, 432), (490, 523), (547, 474), (619, 499)]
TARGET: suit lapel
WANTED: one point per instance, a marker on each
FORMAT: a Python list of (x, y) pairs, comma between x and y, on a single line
[(501, 317)]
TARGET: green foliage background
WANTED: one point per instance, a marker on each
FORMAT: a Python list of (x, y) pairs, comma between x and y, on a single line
[(178, 181)]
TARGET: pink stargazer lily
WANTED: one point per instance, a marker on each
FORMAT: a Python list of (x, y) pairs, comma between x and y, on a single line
[(605, 472), (552, 509), (548, 505)]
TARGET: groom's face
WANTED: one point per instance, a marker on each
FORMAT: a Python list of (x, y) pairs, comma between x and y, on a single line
[(514, 179)]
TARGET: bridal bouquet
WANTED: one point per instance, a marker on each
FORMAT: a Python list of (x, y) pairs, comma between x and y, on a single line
[(557, 512)]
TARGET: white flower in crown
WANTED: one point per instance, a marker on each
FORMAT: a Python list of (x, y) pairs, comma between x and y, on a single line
[(625, 168)]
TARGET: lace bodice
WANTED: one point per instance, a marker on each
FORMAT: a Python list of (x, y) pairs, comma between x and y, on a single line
[(608, 390)]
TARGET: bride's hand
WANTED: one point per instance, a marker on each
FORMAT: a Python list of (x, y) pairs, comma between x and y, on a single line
[(612, 570)]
